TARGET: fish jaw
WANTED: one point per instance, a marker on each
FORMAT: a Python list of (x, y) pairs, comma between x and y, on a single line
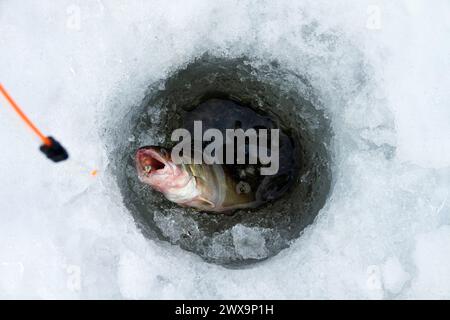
[(183, 195), (155, 168)]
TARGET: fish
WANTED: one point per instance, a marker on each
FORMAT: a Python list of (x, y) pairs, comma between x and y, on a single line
[(204, 187)]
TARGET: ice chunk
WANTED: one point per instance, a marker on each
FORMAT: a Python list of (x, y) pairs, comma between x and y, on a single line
[(394, 275), (249, 242)]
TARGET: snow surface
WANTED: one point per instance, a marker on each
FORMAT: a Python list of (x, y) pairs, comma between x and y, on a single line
[(385, 230)]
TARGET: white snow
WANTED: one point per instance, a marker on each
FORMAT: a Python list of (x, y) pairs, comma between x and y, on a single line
[(73, 65), (432, 260)]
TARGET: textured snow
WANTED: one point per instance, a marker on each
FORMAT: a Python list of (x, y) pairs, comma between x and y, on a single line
[(385, 230)]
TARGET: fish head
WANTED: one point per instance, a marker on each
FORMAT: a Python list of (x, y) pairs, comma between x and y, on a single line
[(156, 168)]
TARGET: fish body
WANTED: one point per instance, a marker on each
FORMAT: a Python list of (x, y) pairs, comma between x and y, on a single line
[(200, 186)]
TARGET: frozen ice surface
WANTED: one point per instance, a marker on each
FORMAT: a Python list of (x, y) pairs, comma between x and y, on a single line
[(381, 70), (432, 260)]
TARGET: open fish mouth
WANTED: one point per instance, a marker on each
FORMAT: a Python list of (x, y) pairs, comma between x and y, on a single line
[(151, 162)]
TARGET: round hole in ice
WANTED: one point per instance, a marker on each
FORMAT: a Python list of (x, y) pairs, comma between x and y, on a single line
[(249, 235)]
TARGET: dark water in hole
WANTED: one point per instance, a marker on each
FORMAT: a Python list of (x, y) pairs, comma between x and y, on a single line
[(221, 113), (247, 236)]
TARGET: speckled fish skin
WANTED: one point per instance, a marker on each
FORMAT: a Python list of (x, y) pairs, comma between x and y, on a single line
[(200, 186)]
